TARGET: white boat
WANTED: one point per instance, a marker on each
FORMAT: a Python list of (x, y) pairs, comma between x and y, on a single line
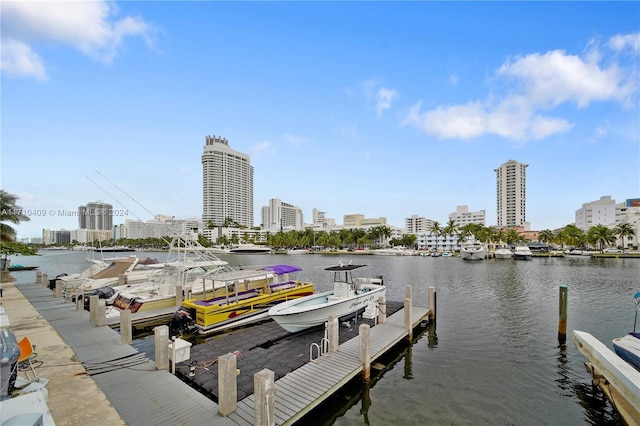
[(348, 296), (187, 262), (503, 253), (394, 251), (522, 253), (250, 249), (628, 346), (298, 251), (474, 251)]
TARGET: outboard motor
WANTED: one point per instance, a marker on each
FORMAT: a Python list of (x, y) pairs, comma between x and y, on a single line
[(52, 282), (9, 355), (102, 293), (182, 321)]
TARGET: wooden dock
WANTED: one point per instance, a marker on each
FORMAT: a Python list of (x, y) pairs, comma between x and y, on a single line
[(139, 392)]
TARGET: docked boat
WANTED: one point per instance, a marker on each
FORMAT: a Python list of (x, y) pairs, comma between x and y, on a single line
[(188, 262), (475, 251), (522, 253), (296, 250), (503, 253), (348, 296), (240, 297), (628, 346), (250, 249), (114, 249), (394, 251)]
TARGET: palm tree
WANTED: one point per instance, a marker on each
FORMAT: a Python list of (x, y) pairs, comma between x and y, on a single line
[(435, 230), (450, 230), (546, 236), (9, 212), (623, 230), (600, 235)]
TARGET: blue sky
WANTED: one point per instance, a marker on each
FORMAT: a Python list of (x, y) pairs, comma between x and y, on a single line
[(386, 109)]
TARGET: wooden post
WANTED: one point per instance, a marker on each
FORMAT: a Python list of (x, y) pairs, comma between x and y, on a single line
[(408, 292), (38, 277), (264, 393), (562, 323), (79, 301), (432, 303), (101, 315), (334, 333), (93, 308), (126, 331), (407, 318), (45, 280), (178, 295), (365, 350), (161, 340), (58, 287), (227, 384), (382, 310)]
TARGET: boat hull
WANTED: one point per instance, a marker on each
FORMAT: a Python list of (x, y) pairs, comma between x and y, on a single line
[(310, 311), (628, 348), (473, 253)]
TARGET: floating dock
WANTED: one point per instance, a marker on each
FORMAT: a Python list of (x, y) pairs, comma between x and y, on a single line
[(142, 394)]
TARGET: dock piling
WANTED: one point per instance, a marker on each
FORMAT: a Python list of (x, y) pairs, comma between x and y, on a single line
[(365, 350), (178, 295), (45, 280), (334, 333), (562, 323), (38, 277), (101, 314), (161, 338), (264, 392), (227, 384), (126, 332), (432, 302), (58, 287), (93, 309)]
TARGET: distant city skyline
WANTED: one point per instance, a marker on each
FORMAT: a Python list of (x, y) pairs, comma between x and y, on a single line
[(402, 108)]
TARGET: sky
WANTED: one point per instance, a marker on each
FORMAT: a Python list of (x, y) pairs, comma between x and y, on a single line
[(386, 109)]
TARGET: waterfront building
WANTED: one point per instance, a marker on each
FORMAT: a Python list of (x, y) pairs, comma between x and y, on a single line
[(61, 236), (462, 216), (511, 193), (279, 216), (96, 215), (600, 212), (160, 226), (356, 221), (227, 184), (417, 224)]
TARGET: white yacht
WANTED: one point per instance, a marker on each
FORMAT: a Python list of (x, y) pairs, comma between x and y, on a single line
[(474, 251)]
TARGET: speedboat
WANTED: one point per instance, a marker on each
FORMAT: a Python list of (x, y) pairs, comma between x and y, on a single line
[(628, 346), (503, 253), (240, 297), (296, 250), (522, 253), (348, 296), (250, 249), (394, 251), (475, 251)]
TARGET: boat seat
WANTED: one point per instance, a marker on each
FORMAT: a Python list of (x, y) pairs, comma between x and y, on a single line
[(26, 354), (283, 285), (222, 299)]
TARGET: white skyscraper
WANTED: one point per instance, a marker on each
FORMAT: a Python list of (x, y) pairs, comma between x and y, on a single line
[(511, 194), (227, 184), (281, 216)]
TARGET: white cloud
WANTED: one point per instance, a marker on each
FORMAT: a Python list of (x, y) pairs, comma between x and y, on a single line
[(384, 99), (621, 41), (542, 83), (18, 59), (88, 26), (262, 148)]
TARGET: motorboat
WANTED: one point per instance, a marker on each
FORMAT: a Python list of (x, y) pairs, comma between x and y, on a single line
[(187, 262), (628, 346), (503, 253), (250, 249), (522, 253), (474, 251), (240, 297), (394, 251), (296, 250), (347, 297)]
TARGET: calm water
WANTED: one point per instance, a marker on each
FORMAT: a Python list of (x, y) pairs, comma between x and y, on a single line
[(493, 357)]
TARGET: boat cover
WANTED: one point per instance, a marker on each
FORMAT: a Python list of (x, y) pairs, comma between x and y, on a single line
[(281, 269)]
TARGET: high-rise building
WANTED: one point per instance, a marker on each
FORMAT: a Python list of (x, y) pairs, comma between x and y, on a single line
[(281, 216), (96, 215), (227, 184), (511, 194), (462, 216)]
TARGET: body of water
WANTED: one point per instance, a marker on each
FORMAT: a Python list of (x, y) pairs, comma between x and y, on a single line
[(493, 357)]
